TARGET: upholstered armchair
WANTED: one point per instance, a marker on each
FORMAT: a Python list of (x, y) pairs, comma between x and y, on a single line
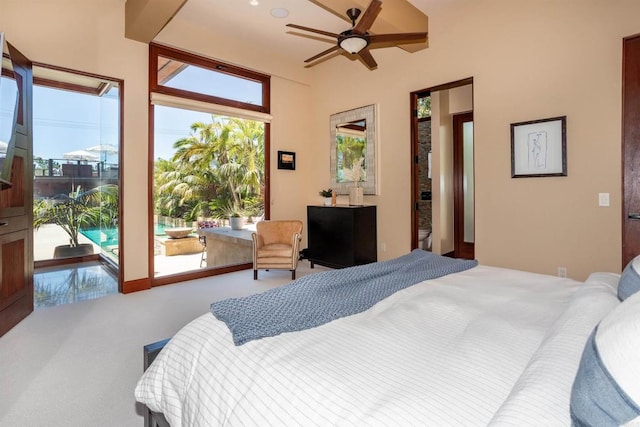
[(276, 244)]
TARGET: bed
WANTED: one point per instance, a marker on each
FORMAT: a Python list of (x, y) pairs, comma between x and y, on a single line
[(480, 346)]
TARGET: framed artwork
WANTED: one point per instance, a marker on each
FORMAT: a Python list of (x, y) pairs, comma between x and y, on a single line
[(287, 160), (539, 148)]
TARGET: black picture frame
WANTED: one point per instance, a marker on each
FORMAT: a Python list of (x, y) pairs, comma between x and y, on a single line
[(287, 160), (539, 148)]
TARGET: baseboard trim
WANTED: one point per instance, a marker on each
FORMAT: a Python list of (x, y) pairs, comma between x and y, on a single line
[(136, 285)]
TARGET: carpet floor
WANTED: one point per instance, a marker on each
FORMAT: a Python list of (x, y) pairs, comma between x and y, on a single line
[(78, 364)]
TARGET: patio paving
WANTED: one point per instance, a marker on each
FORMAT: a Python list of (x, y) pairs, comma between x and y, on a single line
[(47, 237)]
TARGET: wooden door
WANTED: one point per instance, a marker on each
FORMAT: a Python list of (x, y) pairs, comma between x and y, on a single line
[(16, 206), (631, 149), (463, 187)]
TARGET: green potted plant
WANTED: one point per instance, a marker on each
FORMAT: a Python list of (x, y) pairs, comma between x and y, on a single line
[(236, 220), (234, 212), (327, 194), (75, 211)]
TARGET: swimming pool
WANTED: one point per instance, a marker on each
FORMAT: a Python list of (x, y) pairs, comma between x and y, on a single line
[(109, 236)]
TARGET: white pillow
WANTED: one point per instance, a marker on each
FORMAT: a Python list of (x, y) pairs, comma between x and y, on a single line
[(606, 390), (542, 394), (605, 279)]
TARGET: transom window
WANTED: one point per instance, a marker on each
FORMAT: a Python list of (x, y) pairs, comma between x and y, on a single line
[(189, 76)]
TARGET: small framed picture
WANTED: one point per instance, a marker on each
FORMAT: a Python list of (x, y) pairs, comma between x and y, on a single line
[(287, 160), (539, 148)]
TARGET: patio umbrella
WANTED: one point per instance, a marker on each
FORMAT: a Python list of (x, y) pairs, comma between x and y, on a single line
[(80, 155), (103, 148)]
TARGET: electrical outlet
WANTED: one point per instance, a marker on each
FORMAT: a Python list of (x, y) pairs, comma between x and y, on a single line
[(383, 247), (562, 271)]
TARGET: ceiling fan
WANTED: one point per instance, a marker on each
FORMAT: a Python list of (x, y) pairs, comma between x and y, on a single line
[(357, 40)]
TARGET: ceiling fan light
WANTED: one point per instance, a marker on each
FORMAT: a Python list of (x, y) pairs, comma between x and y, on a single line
[(353, 44)]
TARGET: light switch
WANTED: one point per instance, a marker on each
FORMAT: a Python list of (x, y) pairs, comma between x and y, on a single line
[(603, 199)]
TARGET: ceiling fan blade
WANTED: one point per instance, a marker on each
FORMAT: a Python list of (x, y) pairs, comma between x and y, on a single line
[(313, 30), (369, 15), (321, 54), (365, 55), (399, 38)]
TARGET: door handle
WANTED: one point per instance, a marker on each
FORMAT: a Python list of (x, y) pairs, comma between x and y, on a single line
[(3, 223), (634, 216)]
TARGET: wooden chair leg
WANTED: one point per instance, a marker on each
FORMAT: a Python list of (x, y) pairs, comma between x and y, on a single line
[(293, 275), (255, 274)]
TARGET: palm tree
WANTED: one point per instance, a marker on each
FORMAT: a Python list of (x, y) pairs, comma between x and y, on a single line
[(181, 190), (248, 136), (217, 167), (78, 210), (243, 174), (193, 179), (205, 147)]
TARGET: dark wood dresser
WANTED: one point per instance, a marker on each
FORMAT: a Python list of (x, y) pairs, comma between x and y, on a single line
[(341, 236)]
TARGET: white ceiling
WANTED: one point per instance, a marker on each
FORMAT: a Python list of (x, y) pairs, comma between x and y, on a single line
[(242, 20)]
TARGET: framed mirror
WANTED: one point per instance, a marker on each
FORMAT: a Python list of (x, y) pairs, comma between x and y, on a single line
[(353, 150)]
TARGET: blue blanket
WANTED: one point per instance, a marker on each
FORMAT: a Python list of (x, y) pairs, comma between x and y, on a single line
[(317, 299)]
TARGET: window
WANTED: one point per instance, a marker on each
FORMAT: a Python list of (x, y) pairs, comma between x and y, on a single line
[(175, 74), (193, 77), (210, 148)]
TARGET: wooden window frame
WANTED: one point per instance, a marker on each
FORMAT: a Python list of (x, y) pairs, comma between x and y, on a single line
[(156, 51)]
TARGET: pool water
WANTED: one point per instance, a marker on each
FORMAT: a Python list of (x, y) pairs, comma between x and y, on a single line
[(109, 236)]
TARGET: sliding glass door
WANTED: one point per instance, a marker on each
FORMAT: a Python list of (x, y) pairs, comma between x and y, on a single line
[(210, 151), (208, 169)]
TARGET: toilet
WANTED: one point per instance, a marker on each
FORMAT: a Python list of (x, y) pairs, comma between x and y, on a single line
[(424, 239)]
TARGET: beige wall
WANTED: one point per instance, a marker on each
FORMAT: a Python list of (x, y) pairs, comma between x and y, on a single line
[(529, 60), (88, 36)]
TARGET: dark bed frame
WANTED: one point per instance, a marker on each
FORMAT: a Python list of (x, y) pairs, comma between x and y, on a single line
[(150, 352)]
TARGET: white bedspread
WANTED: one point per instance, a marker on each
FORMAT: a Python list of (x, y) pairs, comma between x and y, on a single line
[(443, 352)]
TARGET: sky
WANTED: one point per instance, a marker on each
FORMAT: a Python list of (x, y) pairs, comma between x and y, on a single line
[(172, 124), (8, 92), (68, 121)]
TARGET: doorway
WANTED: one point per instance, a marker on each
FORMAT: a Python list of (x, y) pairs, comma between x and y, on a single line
[(463, 183), (423, 212), (77, 136), (76, 146), (439, 185), (630, 150)]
